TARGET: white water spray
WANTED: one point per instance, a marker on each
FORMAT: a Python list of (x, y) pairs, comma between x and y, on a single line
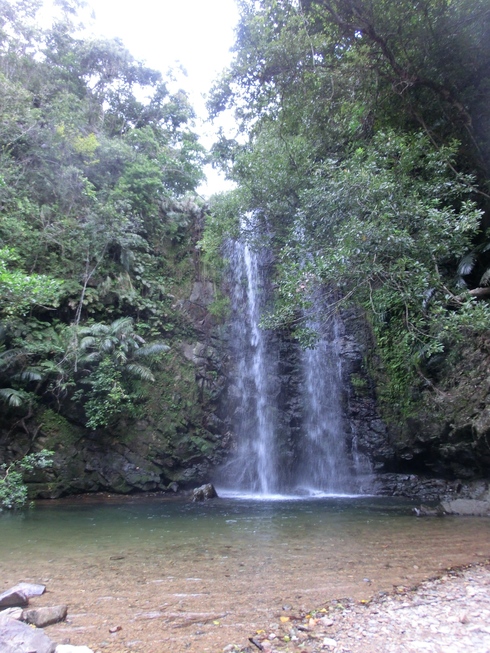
[(323, 462), (254, 466), (319, 462)]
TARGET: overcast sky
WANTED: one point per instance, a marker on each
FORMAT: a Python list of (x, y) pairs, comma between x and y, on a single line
[(197, 34)]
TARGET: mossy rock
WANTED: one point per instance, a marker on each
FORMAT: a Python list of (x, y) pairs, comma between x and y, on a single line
[(57, 430)]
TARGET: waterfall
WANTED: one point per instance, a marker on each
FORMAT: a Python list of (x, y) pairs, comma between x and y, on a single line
[(323, 463), (253, 467), (271, 456)]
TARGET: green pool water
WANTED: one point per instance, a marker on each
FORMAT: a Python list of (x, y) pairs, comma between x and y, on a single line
[(161, 563)]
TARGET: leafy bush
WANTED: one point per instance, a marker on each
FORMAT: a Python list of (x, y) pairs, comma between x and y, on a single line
[(13, 491)]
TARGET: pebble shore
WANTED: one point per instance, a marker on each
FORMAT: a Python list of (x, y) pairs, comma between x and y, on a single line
[(450, 614)]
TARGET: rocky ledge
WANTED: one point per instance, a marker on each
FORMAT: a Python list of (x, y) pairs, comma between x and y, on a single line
[(422, 488), (450, 614)]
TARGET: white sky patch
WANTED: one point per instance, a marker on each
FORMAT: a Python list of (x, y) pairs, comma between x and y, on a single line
[(195, 35)]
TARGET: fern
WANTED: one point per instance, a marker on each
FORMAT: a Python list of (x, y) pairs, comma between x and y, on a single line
[(14, 398)]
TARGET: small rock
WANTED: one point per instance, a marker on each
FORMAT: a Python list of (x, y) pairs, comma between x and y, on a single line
[(13, 598), (429, 511), (115, 629), (256, 643), (68, 648), (326, 621), (328, 642), (204, 492), (42, 617)]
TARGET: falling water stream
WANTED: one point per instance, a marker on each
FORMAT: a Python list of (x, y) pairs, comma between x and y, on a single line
[(253, 467), (321, 463)]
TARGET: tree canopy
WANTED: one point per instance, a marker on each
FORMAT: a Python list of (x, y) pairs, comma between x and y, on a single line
[(366, 153), (97, 158)]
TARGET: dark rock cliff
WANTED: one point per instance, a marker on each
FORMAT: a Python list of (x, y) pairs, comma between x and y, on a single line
[(443, 446)]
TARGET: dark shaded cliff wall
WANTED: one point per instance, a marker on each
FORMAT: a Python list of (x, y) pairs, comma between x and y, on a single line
[(442, 446)]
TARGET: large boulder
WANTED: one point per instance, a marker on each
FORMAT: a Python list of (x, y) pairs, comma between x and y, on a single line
[(466, 507), (29, 589), (10, 613)]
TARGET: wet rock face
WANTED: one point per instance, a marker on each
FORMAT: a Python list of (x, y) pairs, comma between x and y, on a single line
[(448, 434), (433, 490), (146, 462), (370, 436), (414, 486)]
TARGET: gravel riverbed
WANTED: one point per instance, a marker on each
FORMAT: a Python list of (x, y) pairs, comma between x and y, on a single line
[(449, 614)]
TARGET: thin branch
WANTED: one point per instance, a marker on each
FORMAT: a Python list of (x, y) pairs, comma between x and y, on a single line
[(449, 164)]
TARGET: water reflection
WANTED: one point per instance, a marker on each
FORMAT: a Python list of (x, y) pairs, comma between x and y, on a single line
[(127, 522)]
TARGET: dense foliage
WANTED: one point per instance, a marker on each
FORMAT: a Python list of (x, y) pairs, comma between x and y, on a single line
[(97, 158), (13, 490), (367, 157)]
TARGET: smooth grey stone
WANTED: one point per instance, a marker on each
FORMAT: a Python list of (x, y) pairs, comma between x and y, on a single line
[(13, 598), (17, 637), (42, 617), (466, 507), (30, 589), (10, 613)]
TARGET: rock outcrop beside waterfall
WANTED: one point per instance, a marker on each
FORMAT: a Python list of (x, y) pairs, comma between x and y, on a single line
[(443, 448), (449, 433)]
